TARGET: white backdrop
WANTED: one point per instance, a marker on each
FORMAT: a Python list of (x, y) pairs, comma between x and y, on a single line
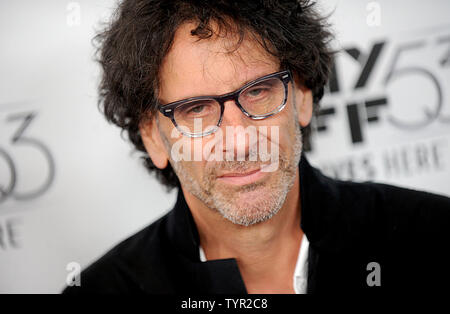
[(70, 188)]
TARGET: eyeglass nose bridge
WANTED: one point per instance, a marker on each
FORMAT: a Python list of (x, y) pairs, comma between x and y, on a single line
[(231, 96)]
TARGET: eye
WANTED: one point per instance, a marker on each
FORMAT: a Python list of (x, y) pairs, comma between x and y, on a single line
[(255, 92), (197, 109)]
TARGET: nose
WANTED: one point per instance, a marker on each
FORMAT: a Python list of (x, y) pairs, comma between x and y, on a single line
[(232, 115), (238, 138)]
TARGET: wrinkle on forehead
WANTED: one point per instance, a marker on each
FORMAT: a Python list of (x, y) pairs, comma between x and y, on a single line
[(216, 65)]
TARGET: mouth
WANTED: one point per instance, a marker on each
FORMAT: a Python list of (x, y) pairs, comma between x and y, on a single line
[(239, 178)]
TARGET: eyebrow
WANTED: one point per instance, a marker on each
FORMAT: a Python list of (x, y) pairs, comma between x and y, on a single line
[(161, 102)]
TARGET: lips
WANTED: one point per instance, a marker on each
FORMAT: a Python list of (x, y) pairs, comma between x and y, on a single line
[(239, 174), (242, 178)]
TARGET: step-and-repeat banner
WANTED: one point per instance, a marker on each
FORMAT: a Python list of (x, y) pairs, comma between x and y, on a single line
[(70, 187)]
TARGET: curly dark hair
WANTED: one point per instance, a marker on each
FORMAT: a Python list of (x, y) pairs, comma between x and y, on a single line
[(131, 49)]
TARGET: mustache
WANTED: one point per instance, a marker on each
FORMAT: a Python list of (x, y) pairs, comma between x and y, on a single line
[(233, 166)]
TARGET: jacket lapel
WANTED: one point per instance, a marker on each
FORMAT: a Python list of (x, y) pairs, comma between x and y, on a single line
[(210, 277)]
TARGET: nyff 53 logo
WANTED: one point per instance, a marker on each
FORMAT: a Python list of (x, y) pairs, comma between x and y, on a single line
[(396, 82)]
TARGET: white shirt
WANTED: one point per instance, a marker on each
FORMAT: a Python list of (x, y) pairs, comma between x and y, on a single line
[(301, 268)]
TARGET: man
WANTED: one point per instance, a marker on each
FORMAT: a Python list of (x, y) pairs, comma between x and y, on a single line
[(219, 94)]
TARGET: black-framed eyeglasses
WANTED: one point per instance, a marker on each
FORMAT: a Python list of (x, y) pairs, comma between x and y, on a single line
[(258, 99)]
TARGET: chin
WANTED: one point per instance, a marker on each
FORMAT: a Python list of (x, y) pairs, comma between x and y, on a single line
[(251, 207)]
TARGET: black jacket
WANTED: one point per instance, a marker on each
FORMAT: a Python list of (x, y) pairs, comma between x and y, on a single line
[(348, 226)]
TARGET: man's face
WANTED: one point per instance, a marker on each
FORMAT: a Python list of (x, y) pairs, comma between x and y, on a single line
[(240, 188)]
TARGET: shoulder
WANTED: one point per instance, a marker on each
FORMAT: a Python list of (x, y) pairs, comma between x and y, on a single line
[(122, 268), (390, 199), (397, 211)]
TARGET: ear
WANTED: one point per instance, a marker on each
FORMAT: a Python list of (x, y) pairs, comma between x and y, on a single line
[(304, 103), (153, 143)]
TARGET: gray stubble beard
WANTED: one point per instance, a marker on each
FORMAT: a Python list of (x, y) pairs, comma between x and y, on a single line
[(246, 214)]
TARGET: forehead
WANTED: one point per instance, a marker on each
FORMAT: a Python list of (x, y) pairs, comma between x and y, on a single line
[(215, 65)]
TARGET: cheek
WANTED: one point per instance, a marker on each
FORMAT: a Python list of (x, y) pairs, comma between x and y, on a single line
[(193, 171), (285, 141), (165, 124), (287, 136), (194, 168), (187, 153)]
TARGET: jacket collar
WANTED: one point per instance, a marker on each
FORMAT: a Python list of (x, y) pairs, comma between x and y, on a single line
[(210, 277), (319, 199)]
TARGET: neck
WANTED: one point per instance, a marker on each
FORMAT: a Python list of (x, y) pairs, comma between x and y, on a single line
[(266, 252)]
